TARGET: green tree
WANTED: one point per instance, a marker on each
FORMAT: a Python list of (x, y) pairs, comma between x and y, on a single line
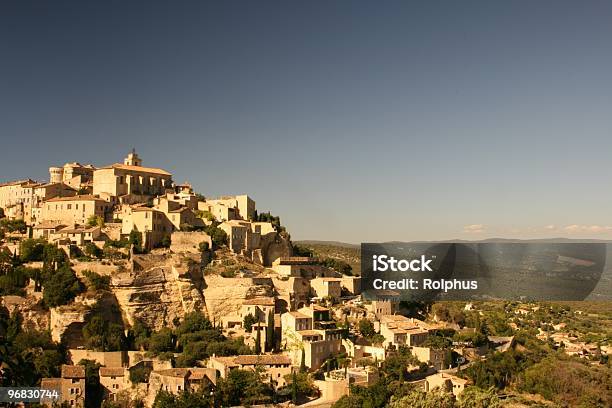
[(92, 250), (32, 250), (301, 385), (418, 399), (100, 334), (474, 397), (13, 225), (95, 221), (60, 287), (243, 387), (135, 240), (217, 235), (93, 389), (140, 333), (249, 321), (140, 374), (161, 341), (366, 328), (258, 341), (96, 281), (185, 399)]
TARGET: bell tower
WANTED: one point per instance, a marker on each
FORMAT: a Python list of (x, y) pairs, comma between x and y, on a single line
[(132, 159)]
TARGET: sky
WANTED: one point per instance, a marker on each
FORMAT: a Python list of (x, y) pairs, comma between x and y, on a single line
[(354, 121)]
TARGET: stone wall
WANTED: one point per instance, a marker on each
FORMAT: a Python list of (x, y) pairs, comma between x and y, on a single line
[(188, 241)]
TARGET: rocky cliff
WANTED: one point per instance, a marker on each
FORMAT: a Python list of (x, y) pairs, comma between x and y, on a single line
[(158, 289)]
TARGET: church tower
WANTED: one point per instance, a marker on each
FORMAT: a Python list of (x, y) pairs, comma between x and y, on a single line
[(132, 159)]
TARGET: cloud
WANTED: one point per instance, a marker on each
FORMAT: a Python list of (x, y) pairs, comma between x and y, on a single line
[(578, 229), (474, 229)]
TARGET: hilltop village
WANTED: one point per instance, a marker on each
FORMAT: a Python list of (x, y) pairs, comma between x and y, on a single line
[(122, 288)]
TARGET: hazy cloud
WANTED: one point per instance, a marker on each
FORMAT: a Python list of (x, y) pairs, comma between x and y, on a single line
[(474, 228), (576, 228)]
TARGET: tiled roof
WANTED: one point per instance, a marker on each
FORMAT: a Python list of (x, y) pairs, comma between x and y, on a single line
[(51, 383), (263, 301), (78, 229), (140, 169), (263, 359), (49, 225), (174, 372), (199, 373), (72, 371), (16, 182), (254, 359), (112, 372), (299, 315), (194, 373), (87, 197)]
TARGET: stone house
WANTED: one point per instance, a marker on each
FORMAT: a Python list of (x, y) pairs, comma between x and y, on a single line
[(275, 366), (447, 382), (74, 210), (71, 385), (433, 357), (400, 330), (311, 335), (327, 288), (114, 380), (175, 380)]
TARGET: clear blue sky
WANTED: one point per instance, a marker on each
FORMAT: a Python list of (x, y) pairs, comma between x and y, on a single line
[(353, 121)]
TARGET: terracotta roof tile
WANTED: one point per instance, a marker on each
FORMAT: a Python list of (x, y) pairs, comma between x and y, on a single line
[(73, 371)]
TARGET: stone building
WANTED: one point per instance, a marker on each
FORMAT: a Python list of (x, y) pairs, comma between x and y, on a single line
[(433, 357), (310, 335), (259, 307), (327, 288), (150, 222), (176, 380), (399, 330), (131, 181), (447, 382), (73, 174), (226, 208), (302, 266), (71, 385), (275, 366), (23, 199), (114, 380), (74, 210), (78, 235)]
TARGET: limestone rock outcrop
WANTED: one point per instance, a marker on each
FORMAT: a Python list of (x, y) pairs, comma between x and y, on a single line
[(157, 289), (224, 296), (35, 317)]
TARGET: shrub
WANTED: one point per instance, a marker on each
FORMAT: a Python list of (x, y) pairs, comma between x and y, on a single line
[(60, 287), (96, 281)]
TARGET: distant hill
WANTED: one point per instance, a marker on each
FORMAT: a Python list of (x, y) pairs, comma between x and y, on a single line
[(330, 243), (349, 253)]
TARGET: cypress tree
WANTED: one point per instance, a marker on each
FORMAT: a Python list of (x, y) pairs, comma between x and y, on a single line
[(258, 341)]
